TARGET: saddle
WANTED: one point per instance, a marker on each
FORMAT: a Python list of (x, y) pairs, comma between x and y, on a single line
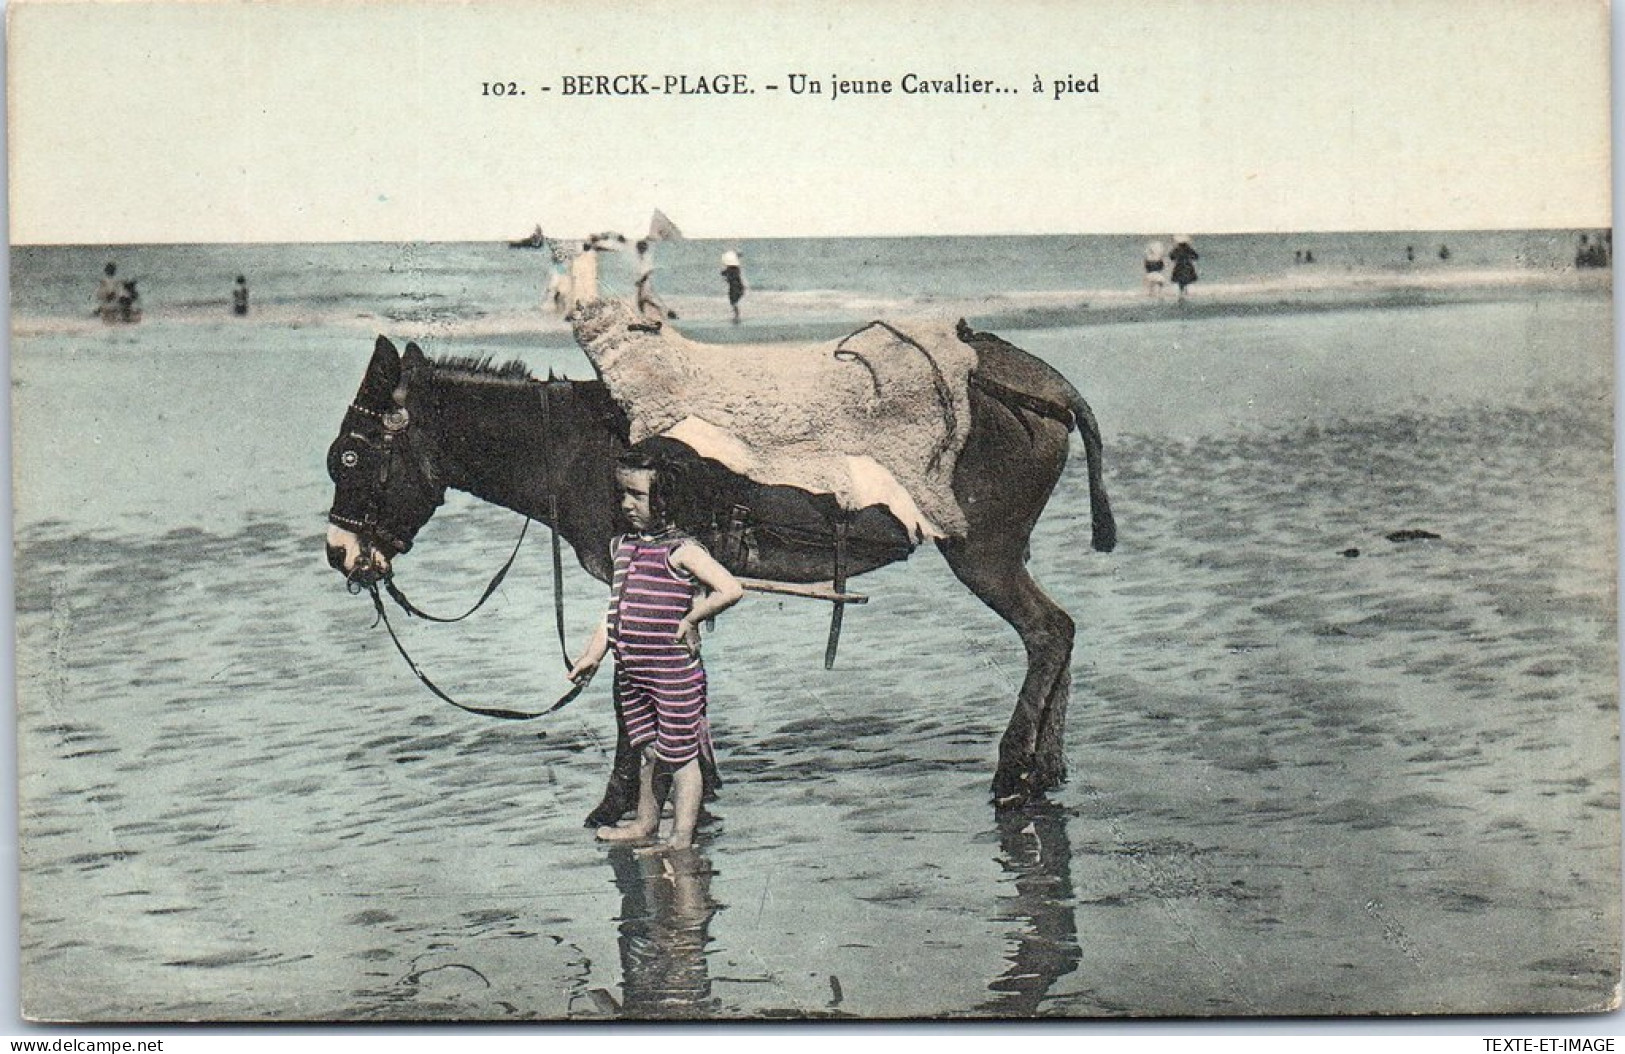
[(877, 418), (749, 526), (834, 457)]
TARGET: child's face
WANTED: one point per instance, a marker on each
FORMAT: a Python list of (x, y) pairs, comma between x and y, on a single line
[(635, 484)]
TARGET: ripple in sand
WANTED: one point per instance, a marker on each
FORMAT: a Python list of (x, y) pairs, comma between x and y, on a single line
[(244, 957)]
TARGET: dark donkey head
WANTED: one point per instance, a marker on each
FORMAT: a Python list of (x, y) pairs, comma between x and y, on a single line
[(385, 486)]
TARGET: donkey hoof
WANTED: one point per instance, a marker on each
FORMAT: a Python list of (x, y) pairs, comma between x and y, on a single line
[(1015, 792), (603, 816)]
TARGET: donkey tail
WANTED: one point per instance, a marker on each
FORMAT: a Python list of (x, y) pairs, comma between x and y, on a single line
[(1103, 523)]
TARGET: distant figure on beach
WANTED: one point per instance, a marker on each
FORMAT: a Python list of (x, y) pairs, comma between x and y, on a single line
[(1309, 256), (583, 277), (1444, 252), (116, 301), (1184, 257), (1410, 254), (107, 293), (1154, 266), (239, 296), (129, 303), (734, 275), (1592, 253), (649, 305), (556, 293)]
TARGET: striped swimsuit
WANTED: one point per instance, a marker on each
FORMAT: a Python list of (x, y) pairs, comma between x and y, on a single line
[(659, 686)]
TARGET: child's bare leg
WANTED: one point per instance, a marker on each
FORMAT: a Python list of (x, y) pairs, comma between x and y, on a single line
[(687, 787), (647, 820)]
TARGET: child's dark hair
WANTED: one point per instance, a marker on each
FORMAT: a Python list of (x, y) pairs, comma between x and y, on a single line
[(636, 460), (682, 492)]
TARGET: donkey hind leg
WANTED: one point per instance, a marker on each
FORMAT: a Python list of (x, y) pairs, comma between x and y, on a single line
[(1031, 759), (1051, 754)]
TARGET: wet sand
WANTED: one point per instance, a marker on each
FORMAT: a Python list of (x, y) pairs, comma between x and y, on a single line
[(1313, 770)]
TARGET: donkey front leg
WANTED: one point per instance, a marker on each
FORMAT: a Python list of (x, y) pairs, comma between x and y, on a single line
[(621, 795)]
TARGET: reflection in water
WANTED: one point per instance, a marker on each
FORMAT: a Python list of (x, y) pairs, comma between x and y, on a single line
[(1033, 847), (666, 911)]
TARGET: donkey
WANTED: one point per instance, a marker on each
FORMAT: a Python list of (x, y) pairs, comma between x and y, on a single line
[(547, 449)]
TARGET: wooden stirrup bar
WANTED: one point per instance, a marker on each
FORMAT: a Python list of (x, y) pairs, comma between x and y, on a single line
[(835, 592), (815, 591)]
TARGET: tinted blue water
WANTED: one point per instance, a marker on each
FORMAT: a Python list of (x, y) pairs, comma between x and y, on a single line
[(474, 280)]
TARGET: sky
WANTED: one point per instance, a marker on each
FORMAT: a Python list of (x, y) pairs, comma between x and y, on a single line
[(346, 120)]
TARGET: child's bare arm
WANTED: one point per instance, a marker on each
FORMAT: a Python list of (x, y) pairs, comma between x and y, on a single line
[(594, 653), (598, 646), (724, 588)]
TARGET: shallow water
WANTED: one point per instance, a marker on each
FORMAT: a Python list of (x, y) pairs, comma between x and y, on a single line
[(1301, 781)]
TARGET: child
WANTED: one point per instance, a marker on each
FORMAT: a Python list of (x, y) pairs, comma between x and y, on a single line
[(650, 306), (734, 275), (107, 294), (665, 584)]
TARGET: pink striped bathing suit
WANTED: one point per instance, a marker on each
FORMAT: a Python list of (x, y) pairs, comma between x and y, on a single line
[(659, 686)]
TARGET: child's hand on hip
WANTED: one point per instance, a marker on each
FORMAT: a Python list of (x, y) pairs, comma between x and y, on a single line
[(688, 635)]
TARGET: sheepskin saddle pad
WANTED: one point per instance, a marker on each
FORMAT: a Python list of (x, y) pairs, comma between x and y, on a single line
[(876, 417)]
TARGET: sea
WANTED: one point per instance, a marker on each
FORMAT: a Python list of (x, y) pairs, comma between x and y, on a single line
[(490, 290), (1289, 737)]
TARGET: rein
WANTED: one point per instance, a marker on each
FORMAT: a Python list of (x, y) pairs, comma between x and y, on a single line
[(553, 519), (416, 612), (504, 715), (558, 578)]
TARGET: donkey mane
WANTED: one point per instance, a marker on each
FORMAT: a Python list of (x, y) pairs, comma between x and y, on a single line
[(483, 366), (593, 395)]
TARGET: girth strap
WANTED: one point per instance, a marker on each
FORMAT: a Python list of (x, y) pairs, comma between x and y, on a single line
[(838, 613)]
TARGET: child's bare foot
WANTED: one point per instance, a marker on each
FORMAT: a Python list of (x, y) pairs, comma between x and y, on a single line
[(667, 845), (626, 832)]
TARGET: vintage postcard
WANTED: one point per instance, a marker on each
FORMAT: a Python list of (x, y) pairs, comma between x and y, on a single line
[(1075, 511)]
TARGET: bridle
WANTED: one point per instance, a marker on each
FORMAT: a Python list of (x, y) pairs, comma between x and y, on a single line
[(385, 441), (386, 438)]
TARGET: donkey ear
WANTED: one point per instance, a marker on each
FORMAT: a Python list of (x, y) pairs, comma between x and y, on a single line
[(383, 374), (414, 359), (412, 362)]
